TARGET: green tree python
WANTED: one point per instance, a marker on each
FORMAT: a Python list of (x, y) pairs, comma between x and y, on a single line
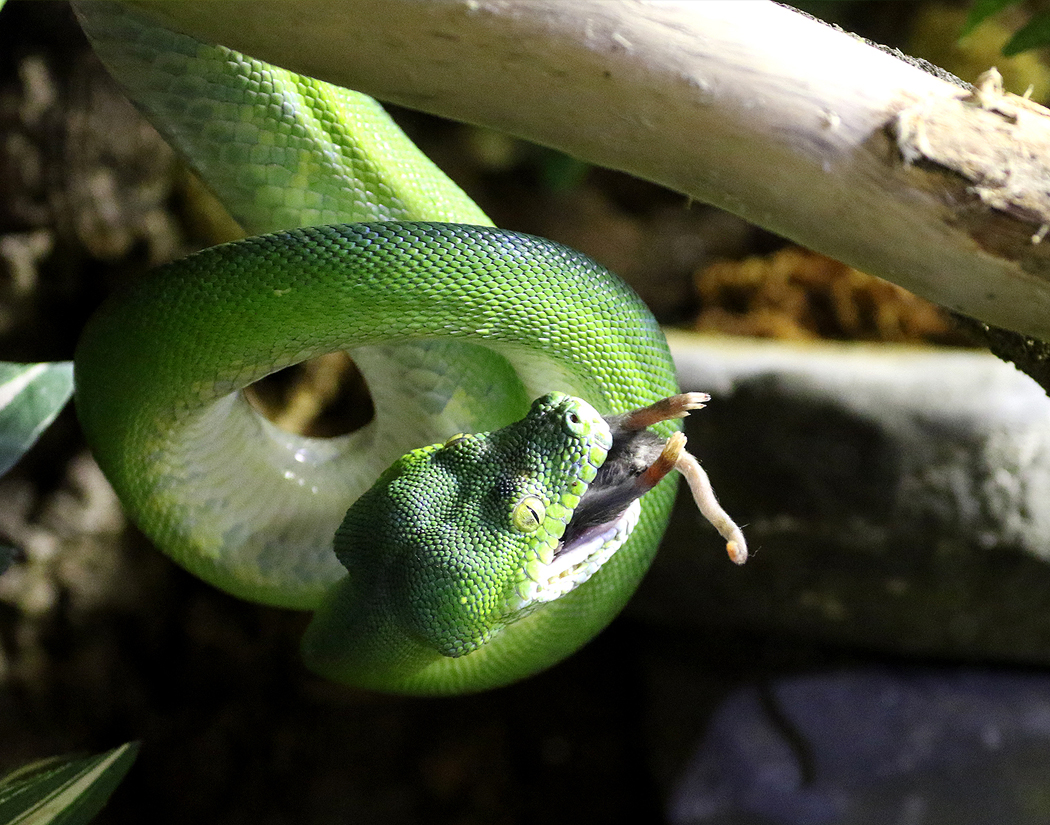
[(512, 487)]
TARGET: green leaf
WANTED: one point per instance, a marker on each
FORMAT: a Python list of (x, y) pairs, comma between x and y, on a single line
[(1033, 35), (61, 790), (981, 10), (31, 395)]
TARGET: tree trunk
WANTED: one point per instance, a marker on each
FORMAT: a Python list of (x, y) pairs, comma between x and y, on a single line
[(750, 106)]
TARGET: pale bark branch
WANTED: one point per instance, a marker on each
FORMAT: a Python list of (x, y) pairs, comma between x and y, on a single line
[(746, 105)]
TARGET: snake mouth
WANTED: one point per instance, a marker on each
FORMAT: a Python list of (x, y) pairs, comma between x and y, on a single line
[(602, 522), (610, 507), (575, 561)]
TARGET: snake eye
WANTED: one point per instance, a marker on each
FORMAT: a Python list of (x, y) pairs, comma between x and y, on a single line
[(573, 421), (528, 514)]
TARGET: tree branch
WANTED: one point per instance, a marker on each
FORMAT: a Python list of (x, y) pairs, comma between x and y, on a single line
[(750, 106)]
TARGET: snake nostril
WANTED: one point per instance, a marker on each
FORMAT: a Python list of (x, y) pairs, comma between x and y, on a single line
[(323, 397)]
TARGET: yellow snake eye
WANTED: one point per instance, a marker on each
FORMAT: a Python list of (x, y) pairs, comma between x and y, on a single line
[(574, 422), (528, 514)]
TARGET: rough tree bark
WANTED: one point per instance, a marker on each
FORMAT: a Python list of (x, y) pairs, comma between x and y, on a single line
[(750, 106)]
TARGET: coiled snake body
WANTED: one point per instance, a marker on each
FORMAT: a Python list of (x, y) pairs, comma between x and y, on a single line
[(456, 571)]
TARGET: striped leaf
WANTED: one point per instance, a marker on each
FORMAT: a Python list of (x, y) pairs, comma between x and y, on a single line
[(63, 790), (31, 395)]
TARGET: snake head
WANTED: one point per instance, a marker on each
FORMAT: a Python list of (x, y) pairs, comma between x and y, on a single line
[(456, 540)]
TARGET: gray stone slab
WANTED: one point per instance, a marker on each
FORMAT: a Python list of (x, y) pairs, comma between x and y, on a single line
[(894, 498)]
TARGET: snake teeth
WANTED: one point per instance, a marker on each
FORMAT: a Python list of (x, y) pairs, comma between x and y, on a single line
[(574, 563)]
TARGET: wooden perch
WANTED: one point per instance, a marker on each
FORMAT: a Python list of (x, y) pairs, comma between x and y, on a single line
[(750, 106)]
